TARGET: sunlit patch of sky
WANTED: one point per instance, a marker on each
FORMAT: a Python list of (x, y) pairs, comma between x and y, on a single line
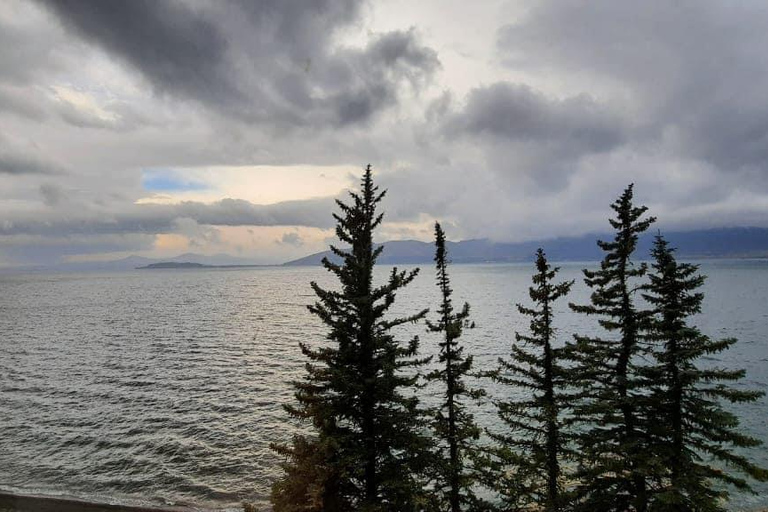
[(257, 184)]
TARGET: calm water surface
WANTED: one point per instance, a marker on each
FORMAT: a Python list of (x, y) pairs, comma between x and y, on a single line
[(166, 386)]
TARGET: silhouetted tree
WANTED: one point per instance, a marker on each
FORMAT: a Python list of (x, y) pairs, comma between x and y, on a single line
[(527, 459), (614, 465), (687, 398), (370, 442), (310, 483), (454, 425)]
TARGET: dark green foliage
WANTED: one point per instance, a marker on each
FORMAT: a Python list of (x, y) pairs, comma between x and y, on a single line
[(308, 482), (527, 458), (368, 445), (615, 465), (694, 429), (454, 426)]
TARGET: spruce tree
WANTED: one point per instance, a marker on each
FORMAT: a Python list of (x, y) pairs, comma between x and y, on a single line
[(694, 428), (454, 426), (527, 460), (614, 464), (368, 443)]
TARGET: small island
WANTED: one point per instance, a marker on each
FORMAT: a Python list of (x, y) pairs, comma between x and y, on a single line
[(189, 265), (174, 264)]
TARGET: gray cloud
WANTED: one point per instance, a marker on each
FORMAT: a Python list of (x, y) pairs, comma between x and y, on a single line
[(526, 137), (24, 54), (177, 49), (161, 218), (52, 194), (18, 101), (693, 71), (46, 250), (197, 234), (257, 61), (291, 238), (516, 112), (21, 164)]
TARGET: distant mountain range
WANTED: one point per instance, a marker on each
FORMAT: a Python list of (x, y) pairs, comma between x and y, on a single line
[(701, 244)]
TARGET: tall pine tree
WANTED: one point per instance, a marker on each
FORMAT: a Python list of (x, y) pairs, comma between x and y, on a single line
[(694, 429), (455, 428), (614, 465), (369, 445), (528, 458)]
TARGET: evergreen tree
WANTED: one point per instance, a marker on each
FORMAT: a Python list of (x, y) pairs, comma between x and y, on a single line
[(454, 426), (527, 460), (614, 466), (687, 398), (369, 444)]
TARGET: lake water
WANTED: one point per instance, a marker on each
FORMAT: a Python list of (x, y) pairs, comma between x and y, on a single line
[(167, 386)]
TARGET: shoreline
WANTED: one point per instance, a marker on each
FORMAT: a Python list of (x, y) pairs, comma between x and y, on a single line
[(10, 502)]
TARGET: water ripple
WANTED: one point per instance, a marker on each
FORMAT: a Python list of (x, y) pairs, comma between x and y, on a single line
[(168, 386)]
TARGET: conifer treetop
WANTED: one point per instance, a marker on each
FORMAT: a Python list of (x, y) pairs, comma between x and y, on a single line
[(628, 224), (368, 449), (453, 424), (526, 461), (687, 397)]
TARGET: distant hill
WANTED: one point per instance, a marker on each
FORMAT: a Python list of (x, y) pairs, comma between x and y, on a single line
[(216, 260), (134, 262), (701, 244), (189, 265), (173, 264)]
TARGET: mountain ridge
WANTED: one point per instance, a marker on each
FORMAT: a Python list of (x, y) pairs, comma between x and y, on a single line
[(742, 242), (739, 242)]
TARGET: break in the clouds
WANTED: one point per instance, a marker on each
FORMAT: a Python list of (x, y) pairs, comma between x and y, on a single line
[(150, 126)]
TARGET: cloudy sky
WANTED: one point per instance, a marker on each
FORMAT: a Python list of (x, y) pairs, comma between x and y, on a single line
[(160, 127)]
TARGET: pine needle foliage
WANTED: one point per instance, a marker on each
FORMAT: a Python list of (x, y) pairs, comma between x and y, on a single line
[(454, 426), (368, 445), (614, 464), (695, 430), (527, 458)]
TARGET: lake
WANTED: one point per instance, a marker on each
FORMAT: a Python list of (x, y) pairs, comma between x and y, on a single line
[(166, 386)]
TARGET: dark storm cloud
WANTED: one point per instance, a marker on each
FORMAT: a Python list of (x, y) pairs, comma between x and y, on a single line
[(388, 60), (269, 61), (516, 112), (695, 70), (22, 164), (179, 51), (527, 137), (159, 218)]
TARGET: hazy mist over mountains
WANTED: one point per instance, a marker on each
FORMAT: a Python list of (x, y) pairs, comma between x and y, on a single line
[(700, 244), (715, 243)]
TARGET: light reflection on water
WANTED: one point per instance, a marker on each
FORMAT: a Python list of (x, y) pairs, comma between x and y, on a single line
[(167, 385)]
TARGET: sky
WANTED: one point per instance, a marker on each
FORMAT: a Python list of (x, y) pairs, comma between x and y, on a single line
[(156, 128)]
